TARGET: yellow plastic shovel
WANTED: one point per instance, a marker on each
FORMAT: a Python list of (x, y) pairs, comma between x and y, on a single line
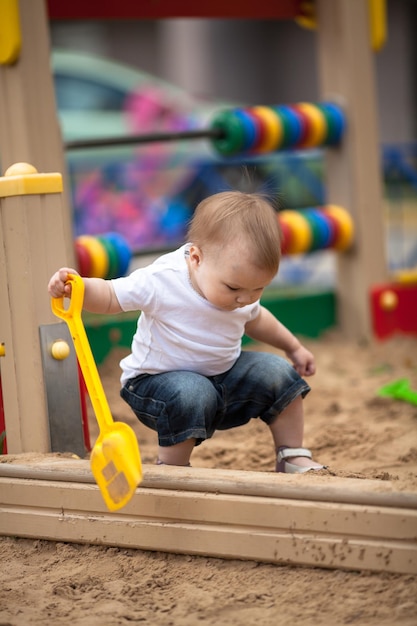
[(115, 457)]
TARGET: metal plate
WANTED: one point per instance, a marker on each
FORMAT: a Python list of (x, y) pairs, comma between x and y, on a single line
[(62, 392)]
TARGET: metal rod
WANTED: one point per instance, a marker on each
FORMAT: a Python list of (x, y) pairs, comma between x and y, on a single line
[(209, 133)]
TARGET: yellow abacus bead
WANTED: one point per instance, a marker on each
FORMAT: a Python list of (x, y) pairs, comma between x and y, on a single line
[(344, 238), (318, 125), (274, 130), (98, 254), (301, 235)]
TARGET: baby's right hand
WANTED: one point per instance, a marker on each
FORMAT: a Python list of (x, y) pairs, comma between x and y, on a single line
[(58, 286)]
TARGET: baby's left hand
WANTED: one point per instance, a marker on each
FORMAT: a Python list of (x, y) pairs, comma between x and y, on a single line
[(303, 361)]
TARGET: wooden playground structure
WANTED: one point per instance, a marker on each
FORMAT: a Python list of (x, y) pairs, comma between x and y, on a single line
[(338, 523), (321, 521)]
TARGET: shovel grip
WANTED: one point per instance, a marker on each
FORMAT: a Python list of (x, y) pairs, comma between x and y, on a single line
[(72, 316), (75, 305)]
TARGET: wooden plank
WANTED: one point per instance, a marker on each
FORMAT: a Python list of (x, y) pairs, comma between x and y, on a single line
[(266, 528), (28, 257), (308, 486), (353, 171), (259, 512)]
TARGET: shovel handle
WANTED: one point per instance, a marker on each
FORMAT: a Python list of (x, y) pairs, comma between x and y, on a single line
[(76, 302), (72, 316)]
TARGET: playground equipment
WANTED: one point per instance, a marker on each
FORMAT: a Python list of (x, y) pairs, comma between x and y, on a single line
[(181, 509), (352, 169), (353, 177), (262, 129), (106, 256), (41, 402), (344, 523), (316, 229), (394, 308), (252, 130)]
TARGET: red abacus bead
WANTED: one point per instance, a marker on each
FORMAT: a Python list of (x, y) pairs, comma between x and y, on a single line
[(261, 128), (286, 236), (306, 125), (334, 228), (83, 257)]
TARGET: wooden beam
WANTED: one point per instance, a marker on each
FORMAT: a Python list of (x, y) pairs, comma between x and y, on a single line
[(353, 171), (301, 520)]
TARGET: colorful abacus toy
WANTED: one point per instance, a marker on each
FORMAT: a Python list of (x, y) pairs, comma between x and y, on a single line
[(104, 256), (316, 228), (261, 129)]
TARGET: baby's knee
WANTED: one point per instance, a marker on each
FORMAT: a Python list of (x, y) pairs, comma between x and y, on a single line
[(278, 373), (196, 397)]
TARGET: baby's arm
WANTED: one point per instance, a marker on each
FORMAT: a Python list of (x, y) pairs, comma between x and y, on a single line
[(99, 296), (267, 329)]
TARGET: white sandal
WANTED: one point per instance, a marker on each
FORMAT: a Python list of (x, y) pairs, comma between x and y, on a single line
[(285, 467)]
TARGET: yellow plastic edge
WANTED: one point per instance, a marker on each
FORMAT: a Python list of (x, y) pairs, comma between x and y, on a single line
[(10, 36), (30, 184), (307, 17), (377, 23)]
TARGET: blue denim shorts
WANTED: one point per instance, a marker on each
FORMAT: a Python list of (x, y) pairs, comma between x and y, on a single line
[(181, 405)]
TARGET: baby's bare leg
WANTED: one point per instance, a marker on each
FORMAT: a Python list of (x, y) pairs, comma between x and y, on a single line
[(178, 454), (288, 430)]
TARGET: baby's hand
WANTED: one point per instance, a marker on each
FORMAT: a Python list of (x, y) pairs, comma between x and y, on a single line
[(57, 286), (303, 361)]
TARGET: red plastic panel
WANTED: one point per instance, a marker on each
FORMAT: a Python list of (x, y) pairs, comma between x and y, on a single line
[(394, 309), (149, 9)]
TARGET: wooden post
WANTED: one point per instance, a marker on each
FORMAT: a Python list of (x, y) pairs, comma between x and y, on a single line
[(353, 171), (35, 218), (31, 236), (29, 127)]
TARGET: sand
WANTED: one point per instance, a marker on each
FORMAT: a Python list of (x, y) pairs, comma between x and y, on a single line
[(348, 426)]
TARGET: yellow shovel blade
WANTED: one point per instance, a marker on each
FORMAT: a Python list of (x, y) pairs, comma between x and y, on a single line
[(116, 465)]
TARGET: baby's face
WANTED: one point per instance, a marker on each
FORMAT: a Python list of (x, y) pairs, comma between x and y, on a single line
[(228, 280)]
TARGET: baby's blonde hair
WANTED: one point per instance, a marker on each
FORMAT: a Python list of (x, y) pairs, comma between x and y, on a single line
[(225, 216)]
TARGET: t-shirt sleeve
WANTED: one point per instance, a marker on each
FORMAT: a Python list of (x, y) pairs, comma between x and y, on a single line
[(136, 292), (256, 307)]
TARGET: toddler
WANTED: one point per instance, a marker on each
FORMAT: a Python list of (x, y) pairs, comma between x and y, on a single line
[(186, 375)]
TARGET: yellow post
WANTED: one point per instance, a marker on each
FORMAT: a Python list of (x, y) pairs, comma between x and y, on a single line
[(32, 232), (10, 35)]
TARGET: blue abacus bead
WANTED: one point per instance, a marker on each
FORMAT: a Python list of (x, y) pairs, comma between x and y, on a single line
[(293, 127), (113, 264), (250, 134), (321, 229), (336, 123), (123, 251)]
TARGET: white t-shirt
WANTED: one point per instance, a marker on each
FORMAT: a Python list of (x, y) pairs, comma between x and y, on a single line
[(178, 329)]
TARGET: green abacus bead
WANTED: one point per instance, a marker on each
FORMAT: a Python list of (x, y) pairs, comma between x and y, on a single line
[(112, 257), (233, 137)]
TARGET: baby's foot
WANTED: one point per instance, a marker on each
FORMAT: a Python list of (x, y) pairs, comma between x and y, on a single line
[(295, 461)]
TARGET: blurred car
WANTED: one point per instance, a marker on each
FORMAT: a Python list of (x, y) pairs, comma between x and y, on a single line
[(147, 192)]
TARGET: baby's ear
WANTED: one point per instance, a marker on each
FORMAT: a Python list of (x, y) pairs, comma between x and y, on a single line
[(195, 255)]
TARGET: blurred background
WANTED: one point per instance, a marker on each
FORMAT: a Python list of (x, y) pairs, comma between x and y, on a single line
[(122, 77)]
